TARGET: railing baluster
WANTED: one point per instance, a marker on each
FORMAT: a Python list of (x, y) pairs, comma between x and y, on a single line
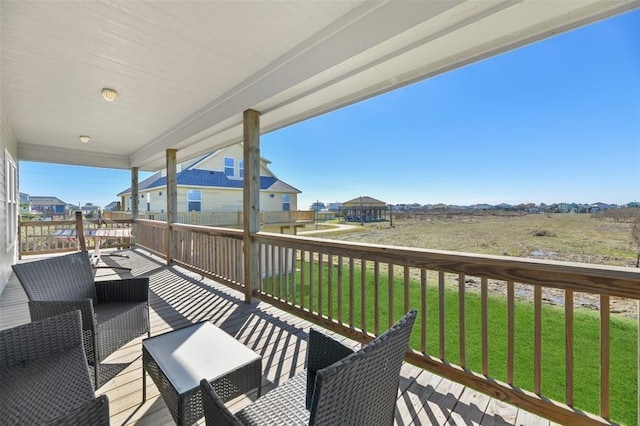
[(320, 284), (273, 270), (351, 289), (441, 304), (407, 276), (511, 331), (311, 279), (537, 344), (330, 285), (390, 319), (363, 296), (294, 267), (462, 320), (285, 274), (340, 289), (376, 297), (568, 336), (303, 264), (604, 356), (423, 310), (281, 271), (484, 312)]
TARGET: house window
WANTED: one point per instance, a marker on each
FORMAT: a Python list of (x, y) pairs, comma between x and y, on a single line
[(241, 168), (11, 199), (194, 200), (229, 167), (148, 201), (286, 202)]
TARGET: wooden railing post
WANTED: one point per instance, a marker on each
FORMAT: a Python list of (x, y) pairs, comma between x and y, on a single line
[(80, 231)]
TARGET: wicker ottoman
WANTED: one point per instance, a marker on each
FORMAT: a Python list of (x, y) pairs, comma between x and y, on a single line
[(179, 359)]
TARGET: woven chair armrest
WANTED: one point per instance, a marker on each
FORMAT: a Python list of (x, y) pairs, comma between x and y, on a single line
[(94, 412), (40, 309), (125, 290), (322, 351)]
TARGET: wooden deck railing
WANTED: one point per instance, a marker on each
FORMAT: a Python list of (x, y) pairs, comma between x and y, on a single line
[(40, 237), (223, 218), (470, 327)]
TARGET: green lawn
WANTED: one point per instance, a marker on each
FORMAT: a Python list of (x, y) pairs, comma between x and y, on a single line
[(624, 334)]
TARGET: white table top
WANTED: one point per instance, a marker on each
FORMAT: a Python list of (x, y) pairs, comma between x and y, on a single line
[(199, 351)]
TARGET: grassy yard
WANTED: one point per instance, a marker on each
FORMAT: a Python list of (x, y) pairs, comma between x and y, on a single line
[(586, 339), (570, 237)]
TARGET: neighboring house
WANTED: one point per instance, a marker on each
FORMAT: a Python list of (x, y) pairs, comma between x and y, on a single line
[(112, 206), (25, 204), (47, 206), (214, 182), (335, 207), (364, 209), (89, 208)]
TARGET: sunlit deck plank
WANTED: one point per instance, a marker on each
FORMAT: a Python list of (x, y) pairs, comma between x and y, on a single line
[(179, 298)]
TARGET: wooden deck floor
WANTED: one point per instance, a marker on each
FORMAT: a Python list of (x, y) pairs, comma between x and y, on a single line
[(179, 298)]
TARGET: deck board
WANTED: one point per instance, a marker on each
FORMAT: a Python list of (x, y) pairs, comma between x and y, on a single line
[(179, 298)]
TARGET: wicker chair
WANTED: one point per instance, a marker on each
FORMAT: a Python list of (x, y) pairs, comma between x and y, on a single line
[(113, 312), (339, 386), (44, 375)]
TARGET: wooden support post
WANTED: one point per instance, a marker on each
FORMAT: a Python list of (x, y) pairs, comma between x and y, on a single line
[(134, 203), (251, 201), (135, 200), (172, 201), (80, 231)]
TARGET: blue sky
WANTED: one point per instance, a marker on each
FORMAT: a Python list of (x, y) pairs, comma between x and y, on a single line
[(555, 121)]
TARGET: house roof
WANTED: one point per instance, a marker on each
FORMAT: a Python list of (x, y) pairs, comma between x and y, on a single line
[(186, 71), (207, 178), (46, 200), (364, 200)]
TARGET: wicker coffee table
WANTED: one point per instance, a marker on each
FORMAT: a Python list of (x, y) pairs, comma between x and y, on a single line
[(179, 359)]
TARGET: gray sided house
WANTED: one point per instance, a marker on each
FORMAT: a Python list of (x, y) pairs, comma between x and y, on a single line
[(213, 183), (47, 206)]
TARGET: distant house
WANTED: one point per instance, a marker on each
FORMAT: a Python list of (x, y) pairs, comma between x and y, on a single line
[(89, 209), (213, 182), (25, 204), (364, 209), (112, 206), (335, 207), (47, 206)]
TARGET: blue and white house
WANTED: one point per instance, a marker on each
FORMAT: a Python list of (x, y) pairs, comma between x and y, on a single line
[(213, 183)]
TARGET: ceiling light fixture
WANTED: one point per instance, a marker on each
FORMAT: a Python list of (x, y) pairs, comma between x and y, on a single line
[(108, 94), (84, 139)]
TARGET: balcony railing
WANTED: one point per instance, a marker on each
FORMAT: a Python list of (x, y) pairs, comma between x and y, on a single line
[(39, 237), (473, 327), (230, 218)]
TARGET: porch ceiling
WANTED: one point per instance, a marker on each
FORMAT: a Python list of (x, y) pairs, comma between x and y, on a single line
[(185, 71)]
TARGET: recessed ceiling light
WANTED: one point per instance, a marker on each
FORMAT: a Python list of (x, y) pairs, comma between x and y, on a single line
[(84, 139), (108, 94)]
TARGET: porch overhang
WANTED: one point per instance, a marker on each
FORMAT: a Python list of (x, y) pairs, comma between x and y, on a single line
[(186, 71)]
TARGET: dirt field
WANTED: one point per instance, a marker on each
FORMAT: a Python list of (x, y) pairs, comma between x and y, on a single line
[(565, 237)]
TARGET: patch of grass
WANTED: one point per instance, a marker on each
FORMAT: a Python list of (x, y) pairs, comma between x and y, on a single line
[(623, 355), (543, 233), (577, 237)]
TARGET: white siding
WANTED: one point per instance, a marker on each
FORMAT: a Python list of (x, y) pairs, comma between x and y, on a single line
[(7, 257)]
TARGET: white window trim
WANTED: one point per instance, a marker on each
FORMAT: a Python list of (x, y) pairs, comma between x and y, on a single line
[(12, 200), (225, 167), (189, 200)]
